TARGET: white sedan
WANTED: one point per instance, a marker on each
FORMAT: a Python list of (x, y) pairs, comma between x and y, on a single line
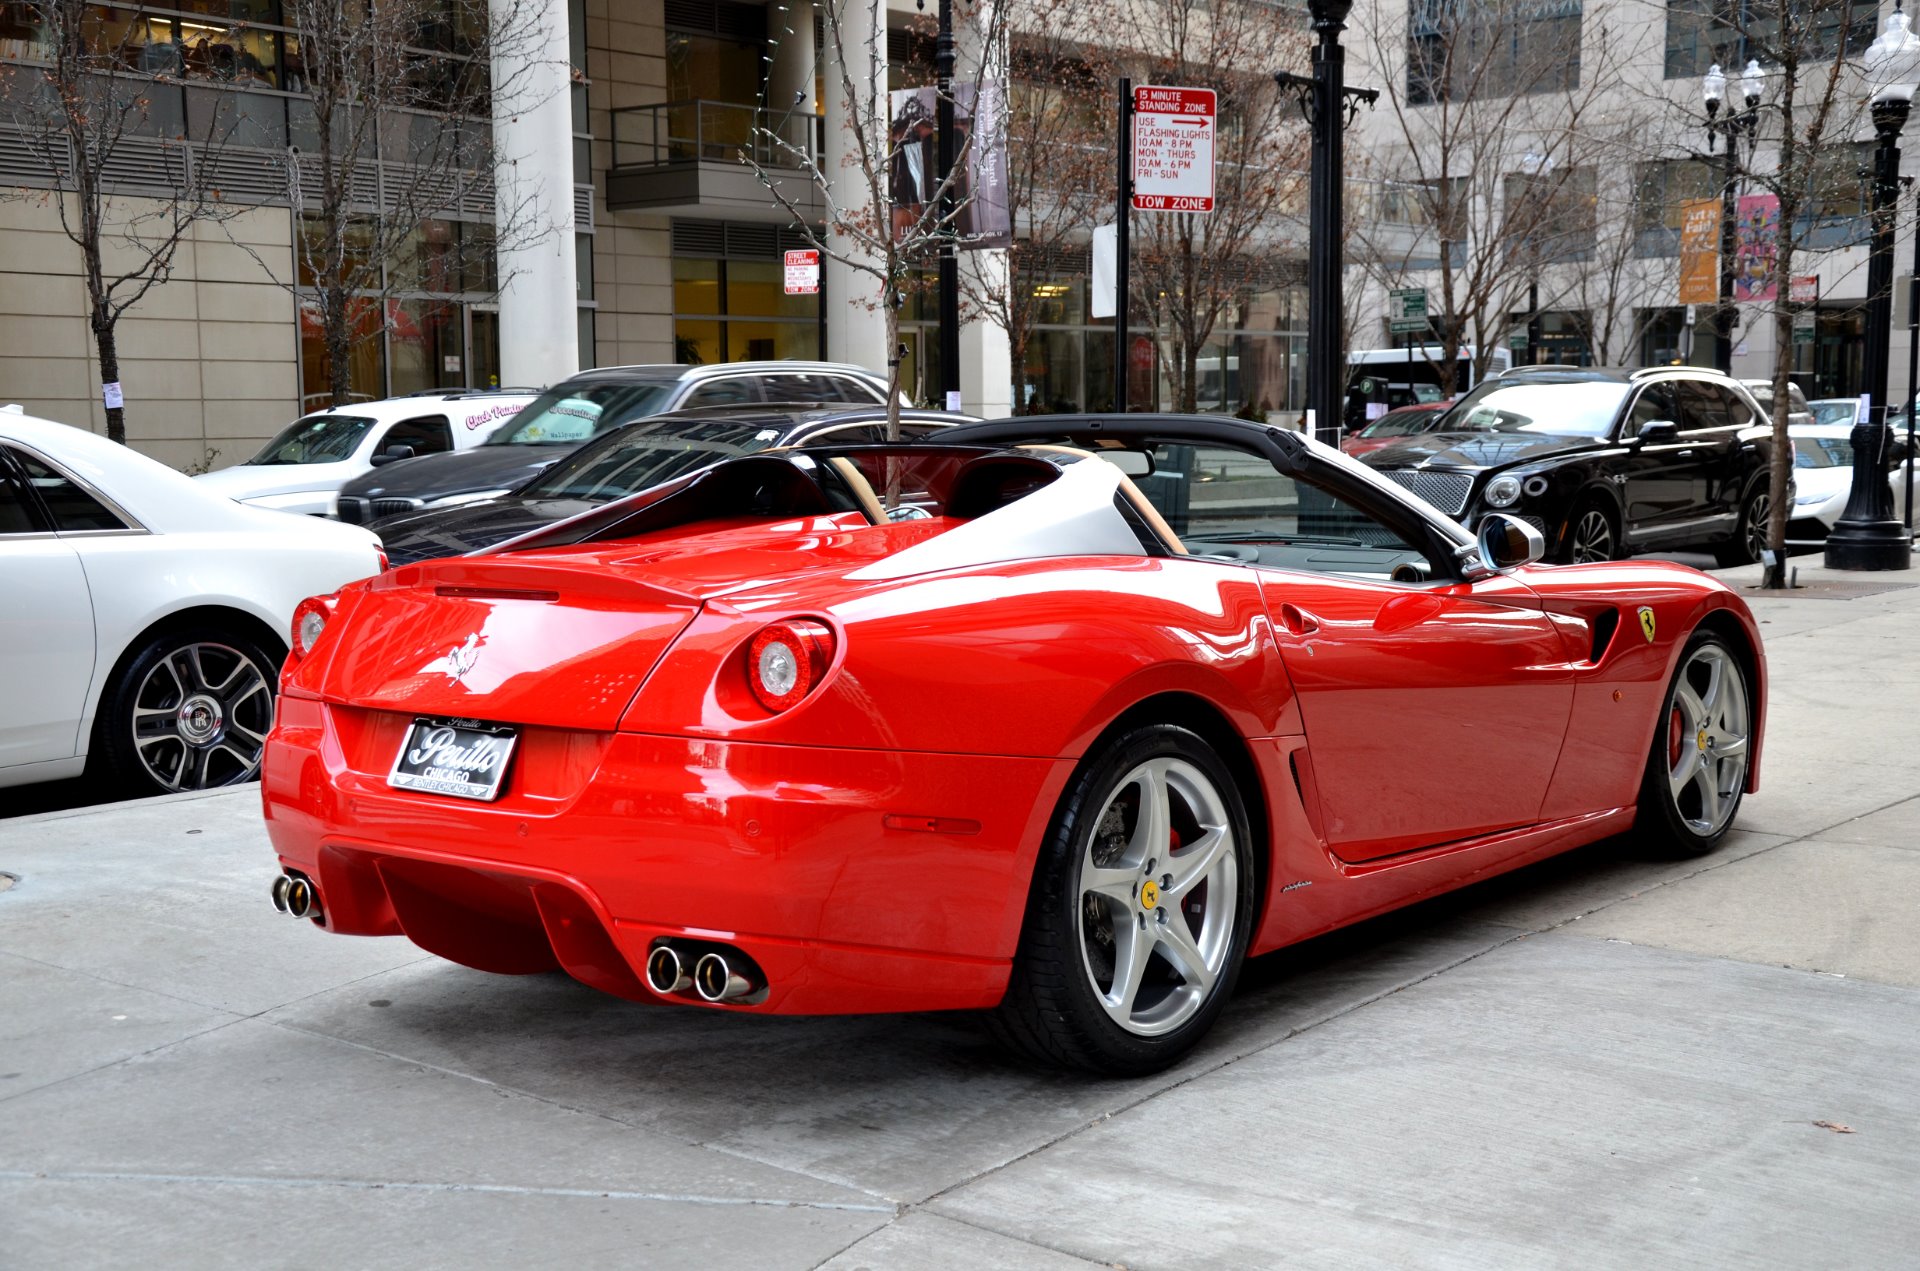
[(1823, 478), (145, 617)]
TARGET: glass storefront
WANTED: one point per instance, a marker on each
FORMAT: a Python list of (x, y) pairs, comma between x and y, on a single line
[(728, 309)]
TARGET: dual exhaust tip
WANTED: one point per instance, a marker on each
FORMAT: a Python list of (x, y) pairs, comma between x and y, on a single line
[(295, 895), (716, 975)]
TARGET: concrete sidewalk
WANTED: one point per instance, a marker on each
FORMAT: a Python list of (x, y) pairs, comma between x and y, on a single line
[(1603, 1061)]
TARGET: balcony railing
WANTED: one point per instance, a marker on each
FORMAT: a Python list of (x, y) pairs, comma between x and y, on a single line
[(716, 132)]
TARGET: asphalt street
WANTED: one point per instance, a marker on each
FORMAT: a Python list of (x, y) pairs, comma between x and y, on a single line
[(1607, 1060)]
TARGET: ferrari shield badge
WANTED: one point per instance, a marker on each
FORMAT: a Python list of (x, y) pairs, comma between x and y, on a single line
[(1646, 623)]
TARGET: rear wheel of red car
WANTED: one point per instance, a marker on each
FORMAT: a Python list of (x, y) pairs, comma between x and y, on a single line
[(1698, 768), (1140, 912), (189, 711)]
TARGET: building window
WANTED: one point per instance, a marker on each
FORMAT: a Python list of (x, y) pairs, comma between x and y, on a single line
[(1491, 48), (1659, 191), (729, 296), (1729, 33), (1551, 215)]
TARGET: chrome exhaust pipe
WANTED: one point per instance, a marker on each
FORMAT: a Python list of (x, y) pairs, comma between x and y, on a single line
[(280, 886), (303, 901), (666, 971), (716, 980)]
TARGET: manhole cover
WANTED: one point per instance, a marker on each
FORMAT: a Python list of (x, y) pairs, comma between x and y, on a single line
[(1829, 591)]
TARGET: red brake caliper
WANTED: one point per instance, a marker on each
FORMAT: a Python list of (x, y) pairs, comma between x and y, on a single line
[(1674, 725)]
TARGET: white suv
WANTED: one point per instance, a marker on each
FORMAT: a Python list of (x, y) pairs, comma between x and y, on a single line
[(303, 467)]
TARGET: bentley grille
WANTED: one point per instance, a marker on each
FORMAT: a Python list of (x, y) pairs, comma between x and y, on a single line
[(1447, 491)]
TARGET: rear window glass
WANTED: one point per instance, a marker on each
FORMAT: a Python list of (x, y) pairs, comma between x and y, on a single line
[(72, 507)]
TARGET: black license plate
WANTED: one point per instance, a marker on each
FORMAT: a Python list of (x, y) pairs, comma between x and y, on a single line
[(460, 757)]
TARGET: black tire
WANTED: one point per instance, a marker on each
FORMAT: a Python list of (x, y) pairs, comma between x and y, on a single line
[(1053, 1012), (1590, 519), (1679, 822), (200, 700), (1750, 534)]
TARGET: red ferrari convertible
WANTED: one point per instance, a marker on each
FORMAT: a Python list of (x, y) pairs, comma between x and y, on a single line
[(1054, 718)]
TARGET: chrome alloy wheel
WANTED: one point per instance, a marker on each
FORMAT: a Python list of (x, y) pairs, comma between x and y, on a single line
[(1708, 725), (1159, 884), (200, 717), (1592, 537), (1759, 508)]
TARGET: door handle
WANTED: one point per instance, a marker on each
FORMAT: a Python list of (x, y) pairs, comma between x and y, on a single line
[(1298, 620)]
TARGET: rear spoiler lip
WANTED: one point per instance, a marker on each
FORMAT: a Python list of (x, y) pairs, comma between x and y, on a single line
[(483, 574)]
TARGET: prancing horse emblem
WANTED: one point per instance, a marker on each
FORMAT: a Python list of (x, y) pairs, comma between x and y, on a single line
[(461, 657), (1646, 623)]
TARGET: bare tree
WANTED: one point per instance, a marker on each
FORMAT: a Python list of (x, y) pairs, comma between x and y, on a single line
[(85, 111), (863, 226), (1802, 149), (1495, 126), (1059, 169), (1189, 270), (400, 93)]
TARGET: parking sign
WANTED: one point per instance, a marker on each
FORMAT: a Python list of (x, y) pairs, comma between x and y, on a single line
[(1172, 149)]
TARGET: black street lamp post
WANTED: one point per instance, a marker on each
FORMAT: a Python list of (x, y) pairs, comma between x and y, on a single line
[(1867, 537), (1739, 125), (1328, 105)]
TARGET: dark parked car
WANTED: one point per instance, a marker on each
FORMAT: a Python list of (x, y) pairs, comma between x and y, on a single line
[(1402, 421), (1603, 462), (576, 410), (632, 458)]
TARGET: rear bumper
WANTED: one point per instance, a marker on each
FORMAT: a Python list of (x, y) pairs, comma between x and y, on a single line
[(604, 843)]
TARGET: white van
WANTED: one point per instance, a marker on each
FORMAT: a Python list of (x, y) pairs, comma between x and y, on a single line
[(303, 467)]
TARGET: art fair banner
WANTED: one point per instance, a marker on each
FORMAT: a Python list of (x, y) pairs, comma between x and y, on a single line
[(1700, 252), (980, 188), (1756, 238)]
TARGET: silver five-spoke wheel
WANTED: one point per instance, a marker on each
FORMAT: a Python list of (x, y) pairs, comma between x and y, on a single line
[(1707, 733), (1159, 884), (200, 717)]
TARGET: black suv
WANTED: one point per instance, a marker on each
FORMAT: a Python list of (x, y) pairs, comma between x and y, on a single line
[(1603, 462)]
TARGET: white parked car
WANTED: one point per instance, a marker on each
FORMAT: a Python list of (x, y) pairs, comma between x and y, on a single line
[(303, 468), (1823, 478), (145, 617)]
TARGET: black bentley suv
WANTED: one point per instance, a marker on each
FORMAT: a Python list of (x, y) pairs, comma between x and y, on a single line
[(1603, 462)]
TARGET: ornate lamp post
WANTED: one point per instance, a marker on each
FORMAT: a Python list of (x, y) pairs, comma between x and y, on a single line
[(1867, 536), (1739, 125), (1328, 105)]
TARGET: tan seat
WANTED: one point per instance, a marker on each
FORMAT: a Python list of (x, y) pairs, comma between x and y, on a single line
[(862, 489)]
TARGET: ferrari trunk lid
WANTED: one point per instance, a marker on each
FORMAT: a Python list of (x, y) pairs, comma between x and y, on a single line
[(525, 641)]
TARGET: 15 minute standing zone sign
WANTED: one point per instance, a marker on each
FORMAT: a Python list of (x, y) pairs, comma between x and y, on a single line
[(1173, 149)]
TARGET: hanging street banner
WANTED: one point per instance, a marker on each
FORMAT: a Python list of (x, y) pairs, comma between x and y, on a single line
[(984, 218), (1172, 149), (1804, 290), (1406, 311), (1756, 237), (803, 272), (1700, 252)]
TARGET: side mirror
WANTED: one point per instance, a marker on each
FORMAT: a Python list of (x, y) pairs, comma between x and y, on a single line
[(1659, 432), (1507, 542), (393, 454)]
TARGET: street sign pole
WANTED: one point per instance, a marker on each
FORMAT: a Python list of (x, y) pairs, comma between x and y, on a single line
[(1122, 216)]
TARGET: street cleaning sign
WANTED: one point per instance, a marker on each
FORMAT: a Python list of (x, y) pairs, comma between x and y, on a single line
[(803, 272), (1172, 149), (1406, 311)]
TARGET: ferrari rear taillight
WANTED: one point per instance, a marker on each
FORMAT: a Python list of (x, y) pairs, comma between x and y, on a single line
[(309, 620), (787, 660)]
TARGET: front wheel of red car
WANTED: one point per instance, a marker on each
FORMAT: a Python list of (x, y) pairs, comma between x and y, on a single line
[(1140, 911), (1701, 750)]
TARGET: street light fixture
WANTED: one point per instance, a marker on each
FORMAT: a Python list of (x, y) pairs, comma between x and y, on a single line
[(1328, 105), (1739, 125), (1866, 536)]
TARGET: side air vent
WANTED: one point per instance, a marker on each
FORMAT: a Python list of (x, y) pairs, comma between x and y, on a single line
[(1604, 625)]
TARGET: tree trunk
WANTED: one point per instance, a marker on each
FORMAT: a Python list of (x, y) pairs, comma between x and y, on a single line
[(339, 348), (106, 343)]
